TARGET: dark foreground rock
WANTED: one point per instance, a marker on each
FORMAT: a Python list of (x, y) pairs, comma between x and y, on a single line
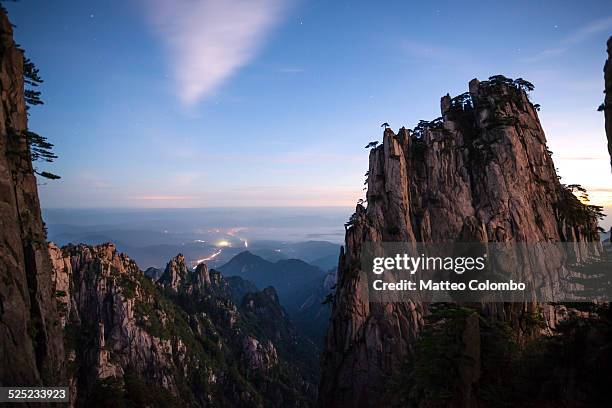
[(30, 333)]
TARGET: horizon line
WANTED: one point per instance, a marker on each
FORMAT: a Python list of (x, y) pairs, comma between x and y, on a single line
[(204, 208)]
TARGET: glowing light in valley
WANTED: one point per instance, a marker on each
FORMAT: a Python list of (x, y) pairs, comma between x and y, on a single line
[(233, 231), (223, 243), (209, 258)]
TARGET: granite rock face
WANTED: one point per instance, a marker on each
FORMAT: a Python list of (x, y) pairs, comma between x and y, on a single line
[(480, 173), (181, 340), (30, 331), (608, 96), (177, 277), (101, 317)]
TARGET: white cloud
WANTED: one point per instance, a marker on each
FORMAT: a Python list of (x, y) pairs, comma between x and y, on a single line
[(209, 40)]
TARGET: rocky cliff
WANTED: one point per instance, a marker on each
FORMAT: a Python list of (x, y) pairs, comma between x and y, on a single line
[(481, 172), (608, 96), (181, 341), (30, 332)]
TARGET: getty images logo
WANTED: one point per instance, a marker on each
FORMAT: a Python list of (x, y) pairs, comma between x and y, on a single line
[(412, 264)]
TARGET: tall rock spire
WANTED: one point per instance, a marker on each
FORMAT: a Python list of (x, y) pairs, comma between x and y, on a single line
[(480, 172)]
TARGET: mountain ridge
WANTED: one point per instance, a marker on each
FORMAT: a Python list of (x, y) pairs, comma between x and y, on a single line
[(285, 275), (183, 334)]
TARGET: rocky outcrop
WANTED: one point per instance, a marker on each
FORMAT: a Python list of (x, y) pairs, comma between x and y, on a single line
[(104, 319), (482, 172), (178, 278), (608, 97), (30, 331), (259, 357), (181, 340)]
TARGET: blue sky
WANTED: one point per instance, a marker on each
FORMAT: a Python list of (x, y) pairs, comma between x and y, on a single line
[(191, 103)]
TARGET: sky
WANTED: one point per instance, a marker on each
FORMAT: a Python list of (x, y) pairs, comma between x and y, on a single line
[(186, 103)]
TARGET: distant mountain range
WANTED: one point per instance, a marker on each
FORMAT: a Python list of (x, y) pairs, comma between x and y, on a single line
[(152, 248), (301, 287), (286, 275)]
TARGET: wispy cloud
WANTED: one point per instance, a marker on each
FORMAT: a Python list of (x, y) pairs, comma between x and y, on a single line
[(417, 50), (163, 198), (209, 40), (252, 196), (581, 158), (574, 38)]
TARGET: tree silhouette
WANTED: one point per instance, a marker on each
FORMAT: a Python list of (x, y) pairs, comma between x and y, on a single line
[(462, 102), (385, 125), (40, 148), (576, 210), (48, 175), (31, 77), (423, 125), (372, 144), (351, 220), (524, 85), (500, 79)]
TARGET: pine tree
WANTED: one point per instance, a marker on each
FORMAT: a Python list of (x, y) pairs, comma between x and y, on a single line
[(40, 148)]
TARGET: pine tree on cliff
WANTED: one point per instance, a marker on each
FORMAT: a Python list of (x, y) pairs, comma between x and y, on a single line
[(40, 148)]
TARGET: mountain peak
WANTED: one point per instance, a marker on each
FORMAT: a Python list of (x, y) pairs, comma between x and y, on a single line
[(176, 273), (482, 172), (247, 255)]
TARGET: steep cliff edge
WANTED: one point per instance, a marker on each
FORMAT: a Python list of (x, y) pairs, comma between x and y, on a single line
[(30, 333), (481, 172)]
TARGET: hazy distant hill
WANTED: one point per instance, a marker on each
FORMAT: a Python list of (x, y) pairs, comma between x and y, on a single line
[(326, 262), (286, 276), (152, 248), (154, 273), (301, 287), (323, 254)]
